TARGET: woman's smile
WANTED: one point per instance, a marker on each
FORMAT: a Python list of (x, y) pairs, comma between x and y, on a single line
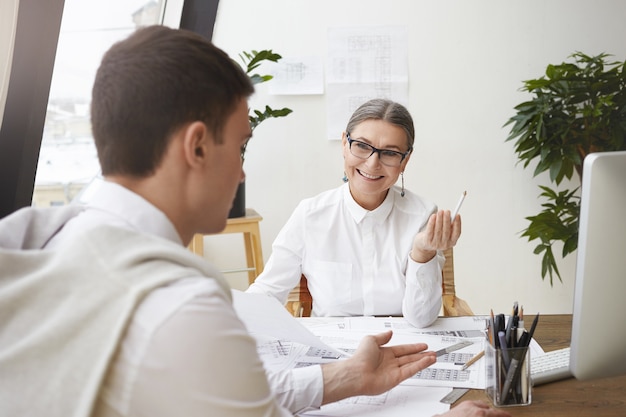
[(369, 176)]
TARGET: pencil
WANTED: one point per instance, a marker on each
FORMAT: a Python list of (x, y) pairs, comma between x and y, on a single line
[(492, 331), (458, 206), (474, 359)]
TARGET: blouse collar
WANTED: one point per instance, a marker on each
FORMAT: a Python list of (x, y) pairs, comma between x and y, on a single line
[(358, 213)]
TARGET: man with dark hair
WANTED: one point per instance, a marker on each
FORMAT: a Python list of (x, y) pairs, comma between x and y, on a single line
[(104, 312)]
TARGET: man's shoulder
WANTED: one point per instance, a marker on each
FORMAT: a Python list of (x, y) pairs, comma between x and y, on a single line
[(32, 227), (136, 252)]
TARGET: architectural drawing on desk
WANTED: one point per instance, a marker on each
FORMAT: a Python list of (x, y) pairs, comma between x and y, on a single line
[(456, 333), (472, 327), (446, 372), (322, 353), (274, 348), (400, 401), (448, 375), (315, 356), (375, 400), (284, 354), (279, 354)]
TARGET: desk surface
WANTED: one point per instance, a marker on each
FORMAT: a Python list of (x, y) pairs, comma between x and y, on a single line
[(570, 397)]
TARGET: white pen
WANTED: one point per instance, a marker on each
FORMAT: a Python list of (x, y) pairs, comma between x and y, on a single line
[(458, 206)]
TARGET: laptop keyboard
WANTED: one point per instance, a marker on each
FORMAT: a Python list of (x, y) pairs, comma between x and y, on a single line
[(550, 367)]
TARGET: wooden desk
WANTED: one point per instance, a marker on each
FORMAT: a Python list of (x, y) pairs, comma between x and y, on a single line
[(570, 397), (249, 226)]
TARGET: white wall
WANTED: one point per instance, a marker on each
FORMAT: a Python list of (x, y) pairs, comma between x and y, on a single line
[(467, 62)]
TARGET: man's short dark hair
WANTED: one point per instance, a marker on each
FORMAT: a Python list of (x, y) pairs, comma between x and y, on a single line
[(151, 84)]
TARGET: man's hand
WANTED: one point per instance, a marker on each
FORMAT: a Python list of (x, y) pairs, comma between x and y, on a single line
[(439, 234), (474, 409), (374, 369)]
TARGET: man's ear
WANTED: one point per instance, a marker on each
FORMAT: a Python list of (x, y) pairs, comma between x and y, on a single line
[(196, 142)]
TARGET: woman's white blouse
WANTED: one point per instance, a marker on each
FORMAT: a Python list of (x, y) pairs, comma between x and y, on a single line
[(356, 261)]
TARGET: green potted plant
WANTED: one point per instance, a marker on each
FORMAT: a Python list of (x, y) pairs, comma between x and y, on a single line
[(251, 61), (576, 108)]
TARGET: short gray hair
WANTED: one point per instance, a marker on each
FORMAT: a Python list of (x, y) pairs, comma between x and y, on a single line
[(387, 110)]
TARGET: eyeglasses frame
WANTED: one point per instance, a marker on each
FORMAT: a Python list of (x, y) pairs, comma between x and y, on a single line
[(376, 150)]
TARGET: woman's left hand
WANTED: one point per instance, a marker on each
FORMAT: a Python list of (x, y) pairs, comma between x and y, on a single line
[(440, 233)]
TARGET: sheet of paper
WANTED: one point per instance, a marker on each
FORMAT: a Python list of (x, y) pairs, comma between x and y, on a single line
[(444, 326), (401, 401), (446, 372), (278, 355), (265, 316), (298, 75), (364, 62)]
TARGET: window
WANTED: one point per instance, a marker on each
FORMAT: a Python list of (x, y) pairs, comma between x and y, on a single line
[(67, 159)]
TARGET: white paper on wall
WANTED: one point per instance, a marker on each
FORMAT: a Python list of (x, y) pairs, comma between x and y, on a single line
[(364, 63)]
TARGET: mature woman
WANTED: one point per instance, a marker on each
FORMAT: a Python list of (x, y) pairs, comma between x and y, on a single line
[(367, 247)]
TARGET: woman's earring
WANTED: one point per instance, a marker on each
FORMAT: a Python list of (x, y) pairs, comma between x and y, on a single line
[(402, 191), (345, 177)]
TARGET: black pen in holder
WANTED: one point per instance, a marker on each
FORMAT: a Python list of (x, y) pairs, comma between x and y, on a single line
[(508, 375)]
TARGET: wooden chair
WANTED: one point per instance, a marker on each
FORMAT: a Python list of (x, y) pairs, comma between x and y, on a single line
[(300, 302), (453, 306)]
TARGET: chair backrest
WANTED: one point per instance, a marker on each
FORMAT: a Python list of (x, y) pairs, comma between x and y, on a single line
[(300, 301), (453, 306)]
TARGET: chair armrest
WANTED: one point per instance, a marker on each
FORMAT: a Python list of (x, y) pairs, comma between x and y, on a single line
[(454, 306)]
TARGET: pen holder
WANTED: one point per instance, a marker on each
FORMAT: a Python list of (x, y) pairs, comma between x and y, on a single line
[(508, 376)]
